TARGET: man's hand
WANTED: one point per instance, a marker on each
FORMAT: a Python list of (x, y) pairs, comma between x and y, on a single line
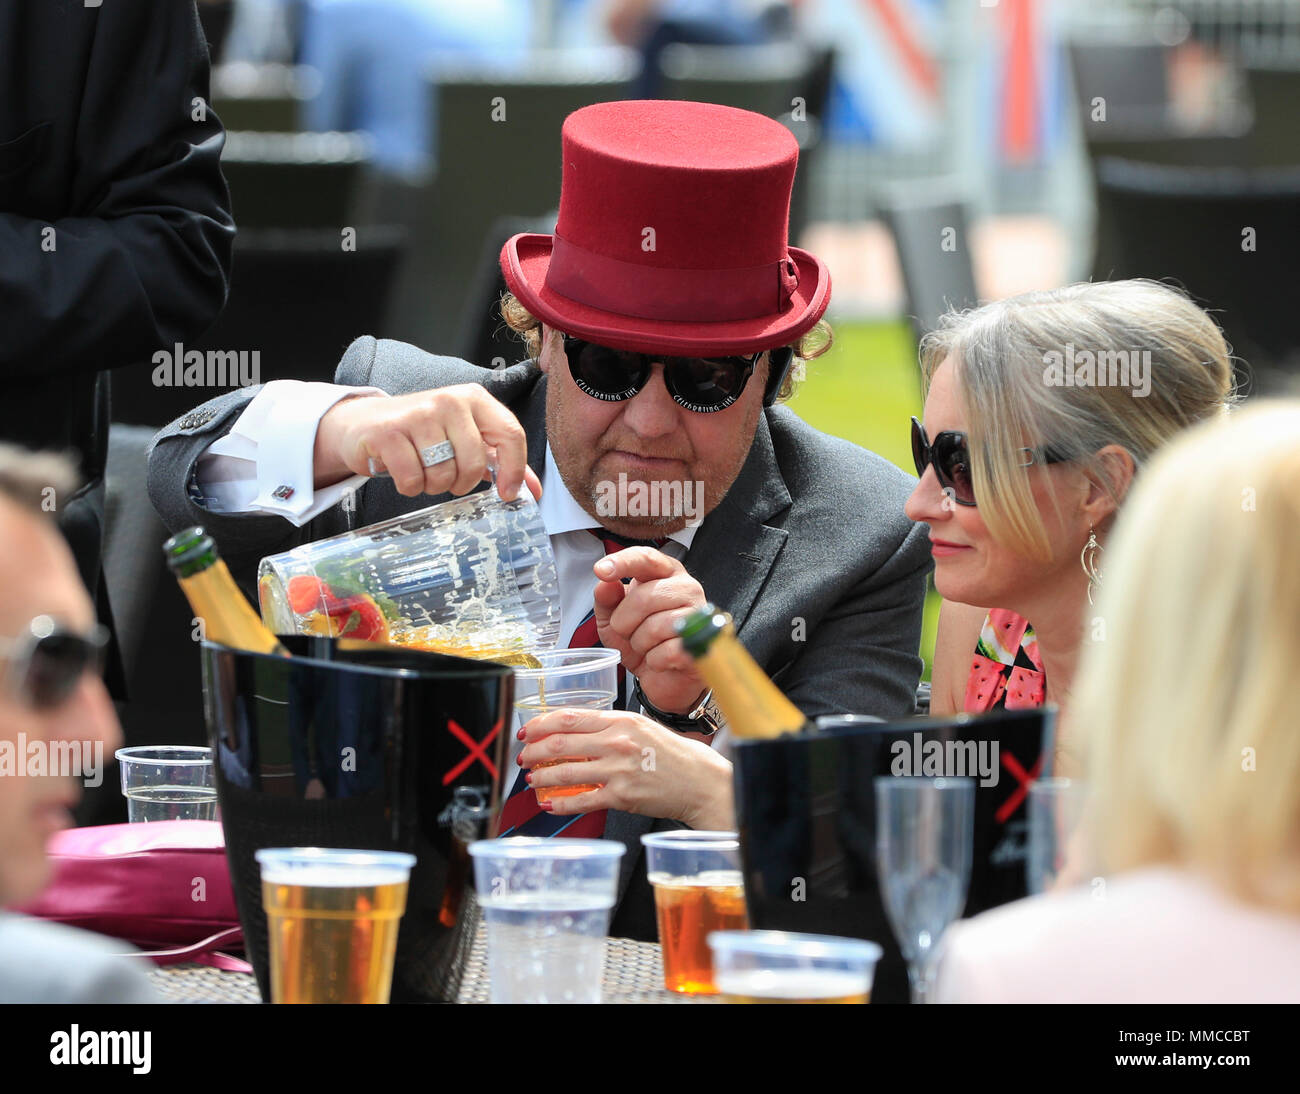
[(641, 767), (390, 430), (637, 620)]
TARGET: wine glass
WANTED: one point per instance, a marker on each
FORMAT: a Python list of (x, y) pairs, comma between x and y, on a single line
[(924, 831), (1057, 856)]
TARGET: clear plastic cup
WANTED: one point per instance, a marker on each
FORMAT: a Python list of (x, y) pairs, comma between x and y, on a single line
[(168, 782), (699, 888), (547, 904), (473, 576), (332, 917), (586, 678), (779, 967), (1058, 851)]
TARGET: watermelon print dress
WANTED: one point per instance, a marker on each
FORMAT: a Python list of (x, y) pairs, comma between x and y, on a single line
[(1006, 669)]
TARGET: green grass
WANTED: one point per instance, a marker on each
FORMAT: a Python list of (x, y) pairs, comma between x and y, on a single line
[(864, 390)]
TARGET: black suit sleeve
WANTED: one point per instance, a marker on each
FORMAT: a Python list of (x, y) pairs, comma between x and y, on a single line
[(140, 259)]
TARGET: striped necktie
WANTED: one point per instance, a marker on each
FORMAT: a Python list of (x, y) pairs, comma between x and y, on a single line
[(521, 815)]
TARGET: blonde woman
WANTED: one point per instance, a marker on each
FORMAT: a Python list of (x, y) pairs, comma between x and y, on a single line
[(1039, 411), (1192, 749)]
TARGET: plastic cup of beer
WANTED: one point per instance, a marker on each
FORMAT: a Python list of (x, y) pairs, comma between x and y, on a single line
[(168, 782), (547, 904), (779, 967), (699, 888), (331, 918), (583, 678)]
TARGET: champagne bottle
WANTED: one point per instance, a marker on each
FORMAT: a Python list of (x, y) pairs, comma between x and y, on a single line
[(227, 617), (752, 705)]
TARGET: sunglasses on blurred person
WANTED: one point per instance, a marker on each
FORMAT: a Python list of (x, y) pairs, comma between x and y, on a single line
[(43, 666), (949, 455), (700, 384)]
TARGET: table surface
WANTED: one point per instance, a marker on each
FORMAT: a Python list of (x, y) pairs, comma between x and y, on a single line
[(634, 973)]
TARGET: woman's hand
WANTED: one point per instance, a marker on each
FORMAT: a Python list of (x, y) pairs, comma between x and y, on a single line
[(641, 766)]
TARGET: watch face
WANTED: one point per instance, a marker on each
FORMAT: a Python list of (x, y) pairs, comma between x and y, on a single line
[(711, 719)]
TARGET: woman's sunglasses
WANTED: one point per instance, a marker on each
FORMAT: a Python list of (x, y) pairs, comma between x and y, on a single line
[(45, 664), (949, 456), (701, 384)]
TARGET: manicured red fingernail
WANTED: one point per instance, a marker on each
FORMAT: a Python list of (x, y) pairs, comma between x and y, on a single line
[(521, 734), (520, 759), (545, 805), (529, 778)]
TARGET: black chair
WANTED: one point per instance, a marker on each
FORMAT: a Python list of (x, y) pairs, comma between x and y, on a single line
[(484, 337), (263, 98), (1130, 77), (154, 621), (294, 180), (765, 79), (1160, 146), (929, 226), (1191, 225), (297, 299), (498, 147), (1275, 94)]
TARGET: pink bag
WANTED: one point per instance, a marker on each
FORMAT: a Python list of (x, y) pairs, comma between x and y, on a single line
[(162, 886)]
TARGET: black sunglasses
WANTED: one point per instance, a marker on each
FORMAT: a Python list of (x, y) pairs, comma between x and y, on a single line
[(949, 455), (701, 384), (47, 662)]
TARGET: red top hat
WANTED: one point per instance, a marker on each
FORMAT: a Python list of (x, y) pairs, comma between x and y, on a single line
[(672, 234)]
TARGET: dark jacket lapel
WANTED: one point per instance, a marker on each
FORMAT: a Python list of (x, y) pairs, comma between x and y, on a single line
[(735, 549)]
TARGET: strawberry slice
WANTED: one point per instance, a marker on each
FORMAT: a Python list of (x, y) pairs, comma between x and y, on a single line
[(306, 593), (357, 617)]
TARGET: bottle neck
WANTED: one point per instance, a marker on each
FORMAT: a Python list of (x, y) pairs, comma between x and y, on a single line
[(751, 703), (227, 616)]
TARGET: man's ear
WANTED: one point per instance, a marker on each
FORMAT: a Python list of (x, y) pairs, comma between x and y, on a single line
[(1110, 484)]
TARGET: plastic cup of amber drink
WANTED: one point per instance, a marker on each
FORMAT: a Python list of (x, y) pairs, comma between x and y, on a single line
[(698, 889), (583, 678)]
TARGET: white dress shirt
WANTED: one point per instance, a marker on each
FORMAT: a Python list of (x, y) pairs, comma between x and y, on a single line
[(270, 449)]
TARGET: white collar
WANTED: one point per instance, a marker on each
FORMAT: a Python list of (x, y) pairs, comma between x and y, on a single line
[(561, 513)]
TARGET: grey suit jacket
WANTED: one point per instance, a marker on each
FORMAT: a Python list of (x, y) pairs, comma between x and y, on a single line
[(810, 550)]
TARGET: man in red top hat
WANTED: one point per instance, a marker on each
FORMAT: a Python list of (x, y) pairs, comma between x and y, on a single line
[(662, 318)]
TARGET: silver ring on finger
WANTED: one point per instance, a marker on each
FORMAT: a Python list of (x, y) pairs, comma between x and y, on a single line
[(437, 453)]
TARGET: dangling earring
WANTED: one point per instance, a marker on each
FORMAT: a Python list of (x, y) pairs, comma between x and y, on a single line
[(1089, 557)]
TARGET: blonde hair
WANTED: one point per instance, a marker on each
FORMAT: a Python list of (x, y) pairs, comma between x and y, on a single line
[(1192, 742), (1013, 397), (812, 344)]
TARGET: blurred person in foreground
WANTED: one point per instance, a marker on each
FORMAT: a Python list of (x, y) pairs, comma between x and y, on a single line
[(51, 699), (1192, 750), (1039, 411)]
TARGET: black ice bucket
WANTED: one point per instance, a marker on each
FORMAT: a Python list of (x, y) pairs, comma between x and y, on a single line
[(806, 813), (370, 747)]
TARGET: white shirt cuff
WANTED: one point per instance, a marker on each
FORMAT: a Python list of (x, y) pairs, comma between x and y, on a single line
[(264, 464)]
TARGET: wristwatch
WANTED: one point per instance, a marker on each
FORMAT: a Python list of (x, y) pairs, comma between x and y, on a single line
[(703, 718)]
